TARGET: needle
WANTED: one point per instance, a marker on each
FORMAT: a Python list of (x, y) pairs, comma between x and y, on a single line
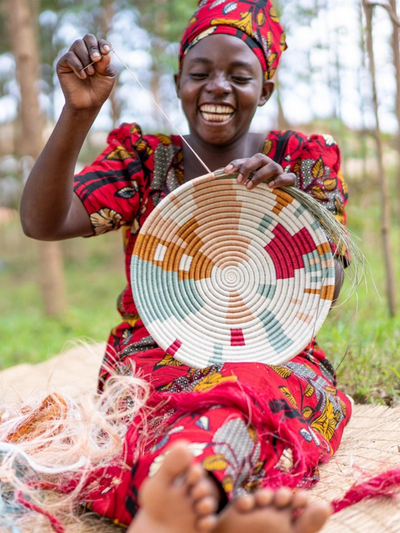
[(93, 62)]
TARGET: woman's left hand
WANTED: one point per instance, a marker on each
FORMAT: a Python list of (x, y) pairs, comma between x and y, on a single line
[(259, 169)]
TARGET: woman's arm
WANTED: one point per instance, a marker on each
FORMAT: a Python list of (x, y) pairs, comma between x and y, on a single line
[(49, 208)]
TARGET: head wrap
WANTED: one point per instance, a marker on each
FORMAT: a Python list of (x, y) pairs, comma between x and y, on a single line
[(253, 21)]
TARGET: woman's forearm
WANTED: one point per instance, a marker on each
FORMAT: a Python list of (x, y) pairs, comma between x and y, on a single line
[(48, 197)]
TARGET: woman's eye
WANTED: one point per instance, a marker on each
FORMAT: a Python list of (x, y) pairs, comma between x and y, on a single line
[(198, 75), (240, 79)]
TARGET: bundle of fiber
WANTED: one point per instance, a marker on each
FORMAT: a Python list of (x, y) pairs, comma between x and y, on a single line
[(53, 445)]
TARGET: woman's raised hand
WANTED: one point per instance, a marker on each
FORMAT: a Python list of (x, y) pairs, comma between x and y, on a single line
[(86, 89), (259, 169)]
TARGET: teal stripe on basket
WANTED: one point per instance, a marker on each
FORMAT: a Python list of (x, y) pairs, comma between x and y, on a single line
[(299, 211), (316, 225), (311, 267), (276, 335), (216, 358), (182, 294), (268, 291), (265, 223)]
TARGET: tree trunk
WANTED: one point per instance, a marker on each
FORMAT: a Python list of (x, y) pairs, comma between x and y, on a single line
[(385, 205), (24, 45), (396, 63)]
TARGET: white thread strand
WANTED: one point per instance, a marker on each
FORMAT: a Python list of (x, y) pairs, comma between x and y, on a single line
[(163, 113)]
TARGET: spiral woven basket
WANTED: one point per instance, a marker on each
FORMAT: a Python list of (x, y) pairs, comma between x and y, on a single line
[(220, 273)]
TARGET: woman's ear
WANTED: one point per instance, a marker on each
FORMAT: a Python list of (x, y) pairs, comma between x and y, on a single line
[(177, 80), (266, 93)]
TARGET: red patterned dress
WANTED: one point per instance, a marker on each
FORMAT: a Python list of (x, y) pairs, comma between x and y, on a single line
[(250, 425)]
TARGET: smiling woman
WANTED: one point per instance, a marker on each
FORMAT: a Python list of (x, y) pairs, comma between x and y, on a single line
[(248, 425)]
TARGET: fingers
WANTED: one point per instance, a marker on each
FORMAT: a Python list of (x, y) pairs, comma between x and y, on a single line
[(283, 180), (259, 169), (86, 57)]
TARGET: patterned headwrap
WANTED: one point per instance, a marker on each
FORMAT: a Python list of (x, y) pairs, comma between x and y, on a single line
[(253, 21)]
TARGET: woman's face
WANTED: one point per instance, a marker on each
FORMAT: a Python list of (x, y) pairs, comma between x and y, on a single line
[(220, 86)]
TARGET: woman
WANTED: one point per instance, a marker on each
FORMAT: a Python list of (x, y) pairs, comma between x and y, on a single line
[(248, 425)]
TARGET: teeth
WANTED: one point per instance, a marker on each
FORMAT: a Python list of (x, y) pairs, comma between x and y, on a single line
[(214, 117), (214, 113), (220, 109)]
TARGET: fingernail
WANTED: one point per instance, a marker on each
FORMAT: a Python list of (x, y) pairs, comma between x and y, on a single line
[(228, 168), (249, 184), (106, 48), (271, 184), (240, 179), (96, 55)]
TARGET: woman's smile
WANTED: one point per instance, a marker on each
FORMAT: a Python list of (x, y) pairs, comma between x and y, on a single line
[(216, 113)]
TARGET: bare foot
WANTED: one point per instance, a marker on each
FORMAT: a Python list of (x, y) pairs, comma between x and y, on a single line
[(180, 498), (273, 512)]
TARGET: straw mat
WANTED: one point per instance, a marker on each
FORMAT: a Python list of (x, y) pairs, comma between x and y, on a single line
[(371, 443), (231, 274)]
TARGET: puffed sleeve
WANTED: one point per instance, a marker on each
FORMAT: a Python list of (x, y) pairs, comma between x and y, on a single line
[(110, 188), (318, 173)]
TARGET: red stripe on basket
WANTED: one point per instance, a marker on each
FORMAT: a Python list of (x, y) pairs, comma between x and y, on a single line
[(284, 250), (174, 347), (237, 338)]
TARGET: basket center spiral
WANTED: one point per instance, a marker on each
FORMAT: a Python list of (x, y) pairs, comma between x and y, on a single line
[(231, 277)]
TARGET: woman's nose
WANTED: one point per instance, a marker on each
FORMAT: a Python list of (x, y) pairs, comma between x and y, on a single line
[(218, 84)]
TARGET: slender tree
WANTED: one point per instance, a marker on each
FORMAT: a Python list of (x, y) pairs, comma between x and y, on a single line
[(363, 137), (396, 63), (21, 24), (385, 204), (391, 8)]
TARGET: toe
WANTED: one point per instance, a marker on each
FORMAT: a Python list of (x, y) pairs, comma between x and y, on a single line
[(194, 475), (299, 499), (206, 523), (206, 506), (202, 489), (283, 497), (177, 461), (264, 497), (244, 504), (312, 518)]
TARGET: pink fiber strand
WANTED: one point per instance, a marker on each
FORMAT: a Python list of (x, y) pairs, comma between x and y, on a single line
[(386, 485)]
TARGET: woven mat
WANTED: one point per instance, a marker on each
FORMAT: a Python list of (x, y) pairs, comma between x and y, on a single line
[(370, 445)]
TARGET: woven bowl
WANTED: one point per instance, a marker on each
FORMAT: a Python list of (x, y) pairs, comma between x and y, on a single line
[(220, 273)]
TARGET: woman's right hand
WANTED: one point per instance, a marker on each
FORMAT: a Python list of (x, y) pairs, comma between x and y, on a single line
[(90, 88)]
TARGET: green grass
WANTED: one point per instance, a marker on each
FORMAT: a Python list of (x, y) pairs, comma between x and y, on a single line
[(94, 277), (359, 337)]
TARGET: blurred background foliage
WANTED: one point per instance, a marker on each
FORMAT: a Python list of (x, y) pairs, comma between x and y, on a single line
[(323, 85)]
